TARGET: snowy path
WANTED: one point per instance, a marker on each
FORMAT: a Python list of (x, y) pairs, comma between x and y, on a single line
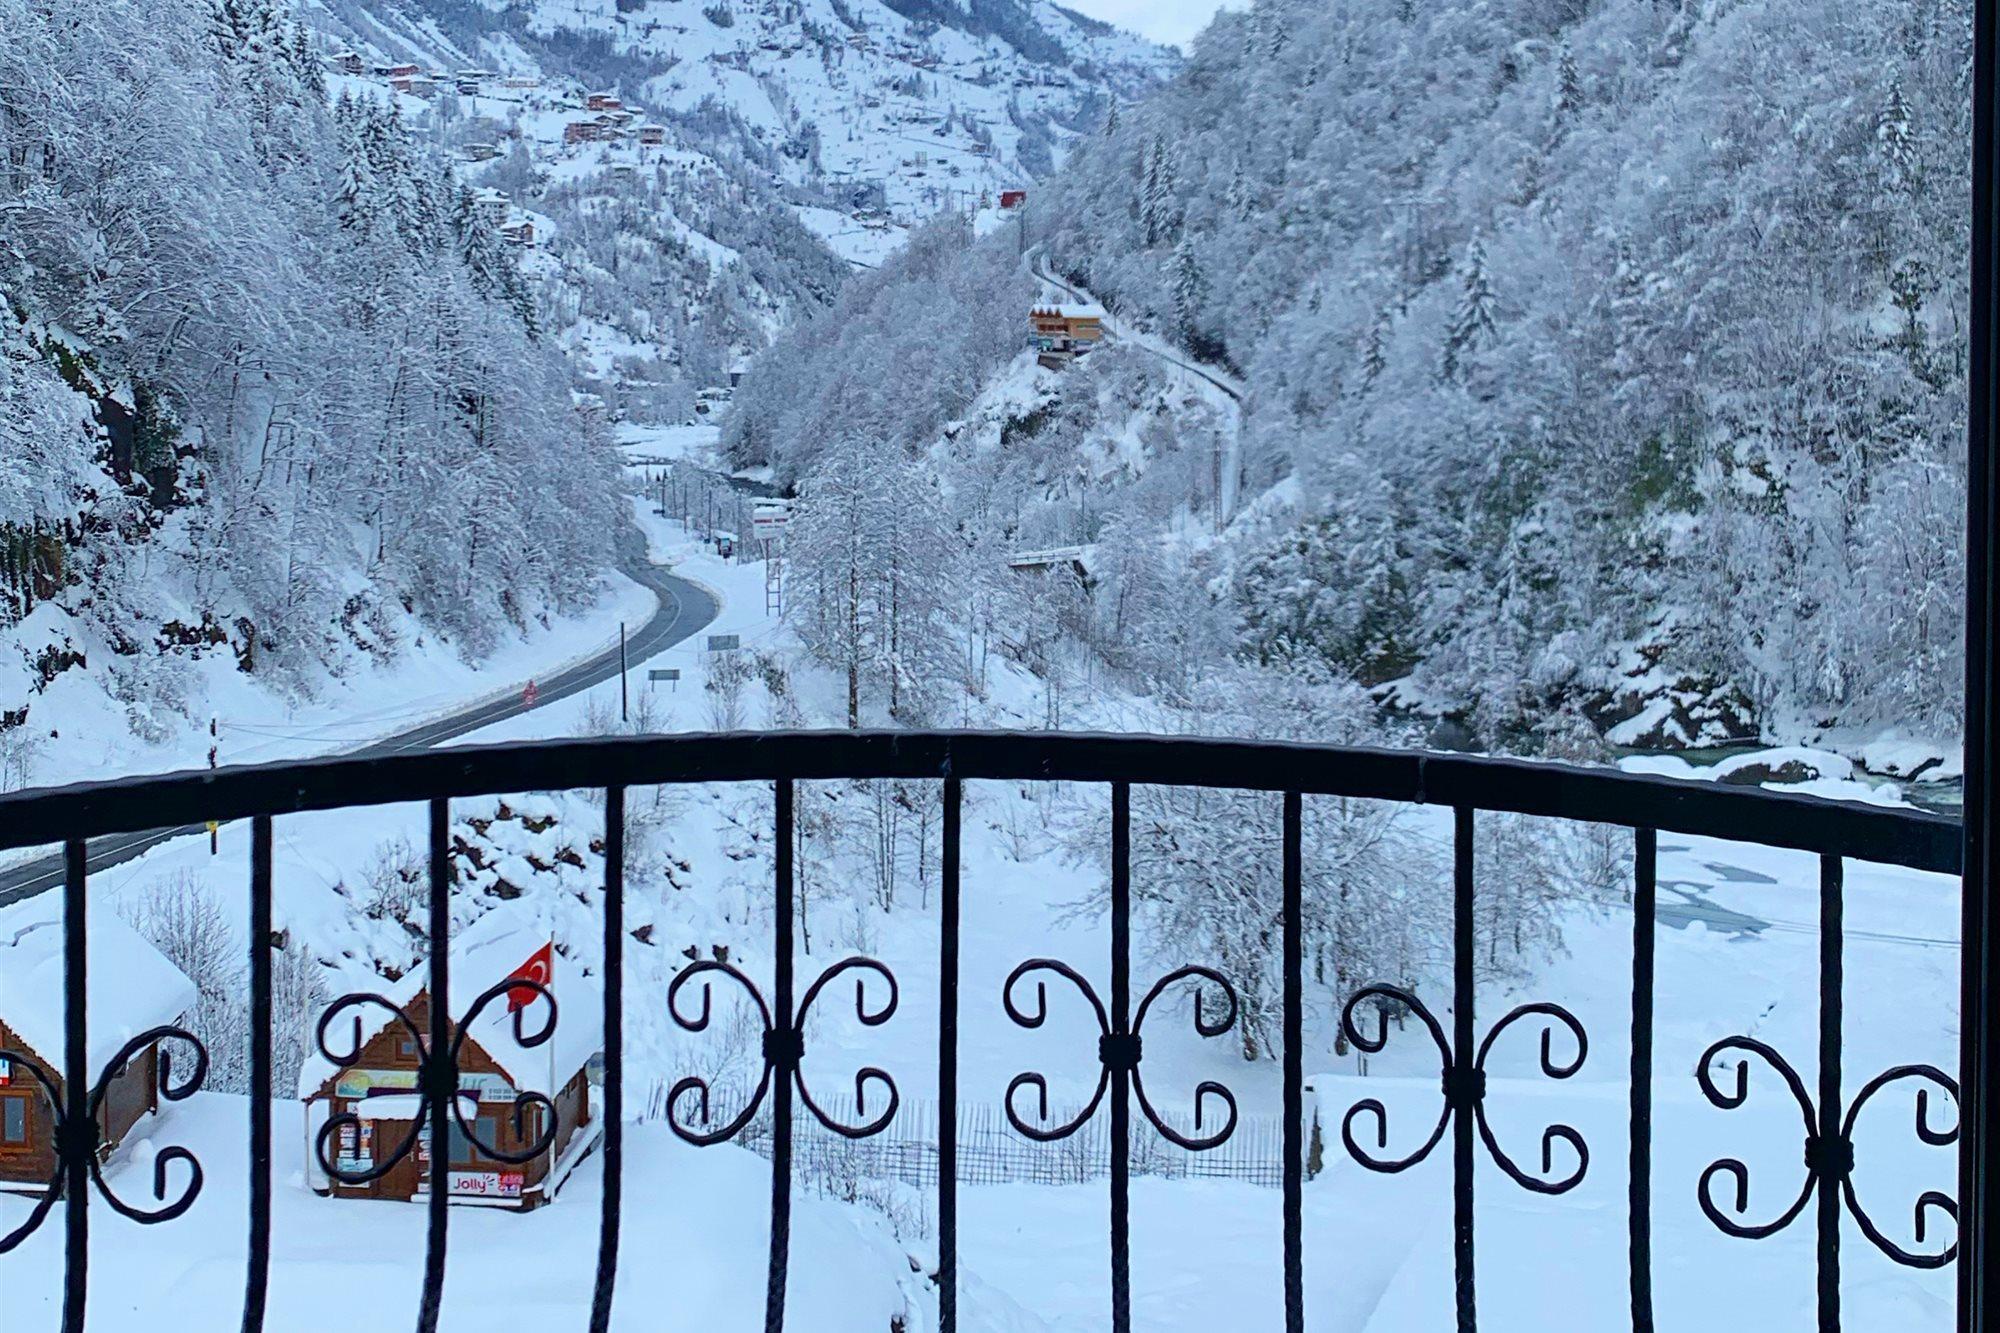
[(684, 609)]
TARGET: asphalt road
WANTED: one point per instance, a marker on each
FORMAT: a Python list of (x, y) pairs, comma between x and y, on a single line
[(684, 611)]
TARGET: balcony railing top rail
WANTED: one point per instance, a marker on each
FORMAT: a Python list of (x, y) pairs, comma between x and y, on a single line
[(1887, 835)]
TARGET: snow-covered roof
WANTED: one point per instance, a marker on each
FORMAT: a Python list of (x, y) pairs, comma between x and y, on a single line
[(1074, 311), (129, 985), (483, 954)]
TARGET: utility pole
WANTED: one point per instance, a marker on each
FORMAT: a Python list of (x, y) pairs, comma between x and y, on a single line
[(1215, 470), (624, 684), (214, 826)]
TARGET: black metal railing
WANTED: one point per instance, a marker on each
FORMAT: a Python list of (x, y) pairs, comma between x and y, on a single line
[(1467, 786)]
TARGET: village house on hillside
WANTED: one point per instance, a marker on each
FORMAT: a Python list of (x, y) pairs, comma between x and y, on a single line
[(1062, 332), (492, 204), (379, 1087), (131, 990)]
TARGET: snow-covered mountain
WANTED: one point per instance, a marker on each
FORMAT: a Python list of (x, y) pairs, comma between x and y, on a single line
[(754, 152)]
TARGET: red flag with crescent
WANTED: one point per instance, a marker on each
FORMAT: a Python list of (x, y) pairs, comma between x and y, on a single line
[(540, 967)]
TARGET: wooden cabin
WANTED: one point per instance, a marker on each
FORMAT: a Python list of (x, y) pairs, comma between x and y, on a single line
[(602, 102), (381, 1086), (652, 136), (349, 62), (131, 988), (1062, 332)]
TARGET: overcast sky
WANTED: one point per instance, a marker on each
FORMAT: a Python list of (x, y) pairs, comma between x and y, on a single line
[(1163, 20)]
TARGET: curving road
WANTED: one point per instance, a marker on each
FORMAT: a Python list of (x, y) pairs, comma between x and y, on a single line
[(684, 610)]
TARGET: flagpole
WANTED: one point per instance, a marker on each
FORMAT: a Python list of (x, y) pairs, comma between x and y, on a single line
[(555, 1093)]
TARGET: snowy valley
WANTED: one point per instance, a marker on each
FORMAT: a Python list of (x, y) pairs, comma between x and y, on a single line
[(1474, 388)]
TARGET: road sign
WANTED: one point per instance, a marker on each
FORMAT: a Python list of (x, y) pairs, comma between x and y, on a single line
[(724, 643), (664, 673), (768, 522)]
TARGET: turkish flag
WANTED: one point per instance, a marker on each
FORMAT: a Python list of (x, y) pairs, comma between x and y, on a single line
[(541, 967)]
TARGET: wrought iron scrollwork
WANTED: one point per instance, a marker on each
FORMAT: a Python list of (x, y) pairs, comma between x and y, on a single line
[(545, 1121), (1464, 1085), (1121, 1050), (351, 1006), (784, 1049), (1829, 1157), (169, 1090), (76, 1141)]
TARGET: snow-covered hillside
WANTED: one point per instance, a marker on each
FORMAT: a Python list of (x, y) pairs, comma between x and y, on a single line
[(276, 408), (1579, 405)]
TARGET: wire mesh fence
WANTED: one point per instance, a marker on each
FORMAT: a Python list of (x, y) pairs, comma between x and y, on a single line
[(992, 1152)]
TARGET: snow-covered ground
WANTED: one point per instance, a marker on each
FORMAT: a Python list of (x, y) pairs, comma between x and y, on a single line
[(694, 1226), (1206, 1254)]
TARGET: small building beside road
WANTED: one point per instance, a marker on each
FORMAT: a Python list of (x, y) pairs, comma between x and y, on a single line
[(379, 1087), (1062, 332)]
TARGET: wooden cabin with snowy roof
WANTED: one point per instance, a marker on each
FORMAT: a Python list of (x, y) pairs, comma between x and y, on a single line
[(380, 1086), (1059, 333), (130, 989)]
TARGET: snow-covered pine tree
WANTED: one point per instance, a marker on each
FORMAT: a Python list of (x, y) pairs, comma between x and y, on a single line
[(1569, 86), (356, 203), (1158, 199), (1896, 139), (1190, 291), (1472, 323), (1373, 352)]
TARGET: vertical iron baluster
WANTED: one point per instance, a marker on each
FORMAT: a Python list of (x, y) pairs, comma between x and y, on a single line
[(1121, 1075), (1463, 1042), (1979, 912), (1645, 866), (439, 1074), (613, 1109), (1294, 929), (781, 1082), (1830, 1142), (257, 1284), (947, 1275), (78, 1143)]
